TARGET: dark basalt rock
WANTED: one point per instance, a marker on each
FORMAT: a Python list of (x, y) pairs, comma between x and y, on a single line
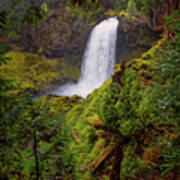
[(134, 38), (59, 36)]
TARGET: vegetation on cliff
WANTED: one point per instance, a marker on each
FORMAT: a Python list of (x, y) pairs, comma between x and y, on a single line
[(35, 73), (131, 123)]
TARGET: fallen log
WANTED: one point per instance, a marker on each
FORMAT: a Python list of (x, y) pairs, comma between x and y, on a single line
[(102, 157)]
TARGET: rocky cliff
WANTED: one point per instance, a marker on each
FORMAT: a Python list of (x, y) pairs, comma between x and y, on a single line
[(62, 35)]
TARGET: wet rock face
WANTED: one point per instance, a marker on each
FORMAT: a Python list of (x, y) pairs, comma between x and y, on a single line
[(134, 38), (59, 36)]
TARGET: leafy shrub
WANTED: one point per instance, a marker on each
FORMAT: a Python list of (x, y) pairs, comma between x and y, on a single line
[(170, 159), (107, 110), (131, 8), (119, 106), (20, 13), (89, 12), (164, 99)]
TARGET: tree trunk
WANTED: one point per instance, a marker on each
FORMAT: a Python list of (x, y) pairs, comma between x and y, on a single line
[(118, 156), (173, 5), (36, 156)]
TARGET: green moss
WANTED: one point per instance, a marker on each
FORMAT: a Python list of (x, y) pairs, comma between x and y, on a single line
[(132, 163), (89, 121), (83, 144), (123, 113), (90, 12), (115, 111), (119, 111), (116, 108), (151, 54), (110, 13), (56, 104), (35, 73), (136, 52)]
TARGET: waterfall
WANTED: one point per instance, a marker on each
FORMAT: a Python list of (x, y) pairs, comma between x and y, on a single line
[(98, 62)]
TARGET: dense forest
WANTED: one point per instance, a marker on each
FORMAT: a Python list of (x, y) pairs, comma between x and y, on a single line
[(127, 129)]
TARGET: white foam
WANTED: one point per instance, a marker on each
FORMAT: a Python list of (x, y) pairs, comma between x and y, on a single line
[(98, 62)]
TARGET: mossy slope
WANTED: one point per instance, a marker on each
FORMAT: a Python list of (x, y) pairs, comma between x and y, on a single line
[(117, 132), (35, 72), (118, 118)]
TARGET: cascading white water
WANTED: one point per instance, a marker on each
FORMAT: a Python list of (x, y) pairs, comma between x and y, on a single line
[(98, 62)]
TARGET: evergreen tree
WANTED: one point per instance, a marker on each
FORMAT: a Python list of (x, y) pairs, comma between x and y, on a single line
[(131, 8)]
